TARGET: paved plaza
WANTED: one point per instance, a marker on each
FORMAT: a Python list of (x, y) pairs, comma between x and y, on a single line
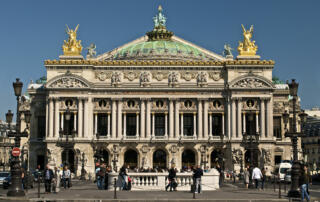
[(85, 191)]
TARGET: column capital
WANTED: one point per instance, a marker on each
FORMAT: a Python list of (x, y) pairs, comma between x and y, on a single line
[(75, 112), (61, 112), (194, 113), (181, 113), (166, 113), (137, 113)]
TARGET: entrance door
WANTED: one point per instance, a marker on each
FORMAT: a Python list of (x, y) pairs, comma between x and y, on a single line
[(102, 156), (216, 159), (131, 158), (68, 159), (254, 160), (188, 158), (159, 159), (40, 161)]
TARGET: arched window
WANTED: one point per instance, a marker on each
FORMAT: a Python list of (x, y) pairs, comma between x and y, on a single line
[(131, 158), (159, 159), (188, 158)]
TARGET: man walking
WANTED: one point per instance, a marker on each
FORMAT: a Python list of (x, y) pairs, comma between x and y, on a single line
[(304, 181), (171, 177), (257, 176), (197, 173), (48, 175), (66, 175)]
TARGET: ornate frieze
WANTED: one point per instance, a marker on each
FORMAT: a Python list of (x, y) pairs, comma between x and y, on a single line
[(103, 75), (131, 104), (216, 105), (68, 82), (216, 76), (250, 104), (70, 103), (102, 104), (188, 105), (145, 78), (159, 105), (202, 79), (116, 78), (132, 75), (250, 83), (188, 76), (173, 79), (159, 76)]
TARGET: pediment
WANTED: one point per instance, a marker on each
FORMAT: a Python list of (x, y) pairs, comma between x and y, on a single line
[(68, 80), (251, 82)]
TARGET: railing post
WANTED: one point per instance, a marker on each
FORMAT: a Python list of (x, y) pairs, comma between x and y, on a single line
[(115, 188), (279, 188), (39, 184)]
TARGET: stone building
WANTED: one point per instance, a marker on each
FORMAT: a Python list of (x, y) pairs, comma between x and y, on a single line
[(156, 101)]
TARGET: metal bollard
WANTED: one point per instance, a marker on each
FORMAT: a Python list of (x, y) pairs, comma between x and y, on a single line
[(38, 185), (279, 188), (194, 187), (274, 183), (115, 189)]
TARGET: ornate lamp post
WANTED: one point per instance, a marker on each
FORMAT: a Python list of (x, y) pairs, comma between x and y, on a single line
[(16, 188), (83, 171), (293, 134)]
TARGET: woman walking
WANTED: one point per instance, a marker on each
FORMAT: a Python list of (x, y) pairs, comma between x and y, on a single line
[(304, 181), (246, 177)]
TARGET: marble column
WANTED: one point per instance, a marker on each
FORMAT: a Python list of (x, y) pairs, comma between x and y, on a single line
[(195, 125), (124, 124), (233, 122), (62, 121), (119, 119), (257, 122), (171, 120), (181, 124), (86, 120), (210, 124), (50, 117), (75, 121), (228, 101), (47, 117), (114, 119), (223, 125), (239, 122), (269, 133), (200, 135), (262, 118), (176, 121), (148, 117), (108, 134), (244, 122), (90, 119), (96, 123), (153, 125), (166, 124), (137, 124), (142, 119), (56, 118), (205, 119), (80, 117)]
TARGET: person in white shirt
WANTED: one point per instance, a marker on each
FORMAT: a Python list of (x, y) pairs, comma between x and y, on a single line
[(257, 176)]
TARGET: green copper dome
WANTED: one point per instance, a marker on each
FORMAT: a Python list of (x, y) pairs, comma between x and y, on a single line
[(159, 50)]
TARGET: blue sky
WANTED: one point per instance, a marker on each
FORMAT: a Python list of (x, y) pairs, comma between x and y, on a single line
[(285, 31)]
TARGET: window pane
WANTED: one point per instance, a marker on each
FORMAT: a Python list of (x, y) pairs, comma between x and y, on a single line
[(159, 124)]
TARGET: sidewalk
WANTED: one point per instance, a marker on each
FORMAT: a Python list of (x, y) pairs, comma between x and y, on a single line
[(88, 192)]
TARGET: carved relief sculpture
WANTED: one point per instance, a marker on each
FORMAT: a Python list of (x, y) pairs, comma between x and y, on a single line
[(116, 78), (173, 79), (247, 47), (202, 79), (216, 76), (145, 78), (250, 83), (68, 82)]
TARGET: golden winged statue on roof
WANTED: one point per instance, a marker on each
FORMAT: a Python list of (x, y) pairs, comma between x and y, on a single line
[(247, 47), (72, 47)]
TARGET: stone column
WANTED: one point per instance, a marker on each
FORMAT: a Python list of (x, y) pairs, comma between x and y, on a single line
[(96, 123), (153, 125), (137, 124), (50, 118), (148, 128), (181, 124), (257, 122), (142, 121), (166, 124), (171, 120), (75, 121), (56, 118), (222, 117), (86, 120), (269, 133), (262, 118), (244, 122), (176, 121), (119, 119), (205, 119), (239, 122), (90, 118), (47, 117), (108, 134), (228, 101), (124, 124), (195, 125), (80, 117), (210, 124), (61, 120), (200, 135), (114, 119), (233, 122)]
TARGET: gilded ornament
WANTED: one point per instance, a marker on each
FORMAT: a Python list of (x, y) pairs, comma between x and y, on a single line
[(72, 47), (247, 47)]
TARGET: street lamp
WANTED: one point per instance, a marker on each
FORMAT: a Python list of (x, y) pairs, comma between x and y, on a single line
[(83, 171), (293, 134), (15, 188)]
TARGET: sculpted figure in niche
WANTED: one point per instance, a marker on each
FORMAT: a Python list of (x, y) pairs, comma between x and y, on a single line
[(116, 77), (173, 77), (144, 77)]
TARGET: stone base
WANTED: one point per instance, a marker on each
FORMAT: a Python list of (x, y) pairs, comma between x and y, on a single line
[(248, 57)]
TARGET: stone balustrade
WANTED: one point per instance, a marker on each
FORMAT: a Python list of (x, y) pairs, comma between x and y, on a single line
[(158, 181)]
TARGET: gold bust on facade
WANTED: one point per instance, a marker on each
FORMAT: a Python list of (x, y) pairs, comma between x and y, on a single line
[(247, 47), (72, 47)]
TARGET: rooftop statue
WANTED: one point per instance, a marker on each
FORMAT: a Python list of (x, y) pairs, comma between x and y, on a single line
[(227, 50), (247, 47), (72, 47), (91, 50), (159, 20)]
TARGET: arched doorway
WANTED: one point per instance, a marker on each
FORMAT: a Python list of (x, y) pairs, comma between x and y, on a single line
[(68, 158), (159, 159), (254, 156), (131, 158), (101, 156), (188, 158), (216, 159)]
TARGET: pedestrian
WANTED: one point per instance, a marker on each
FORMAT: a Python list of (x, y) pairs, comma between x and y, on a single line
[(97, 180), (48, 176), (123, 177), (247, 177), (23, 174), (257, 176), (304, 181), (101, 175), (220, 174), (197, 173), (56, 180), (263, 177), (106, 178), (171, 178), (66, 177)]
